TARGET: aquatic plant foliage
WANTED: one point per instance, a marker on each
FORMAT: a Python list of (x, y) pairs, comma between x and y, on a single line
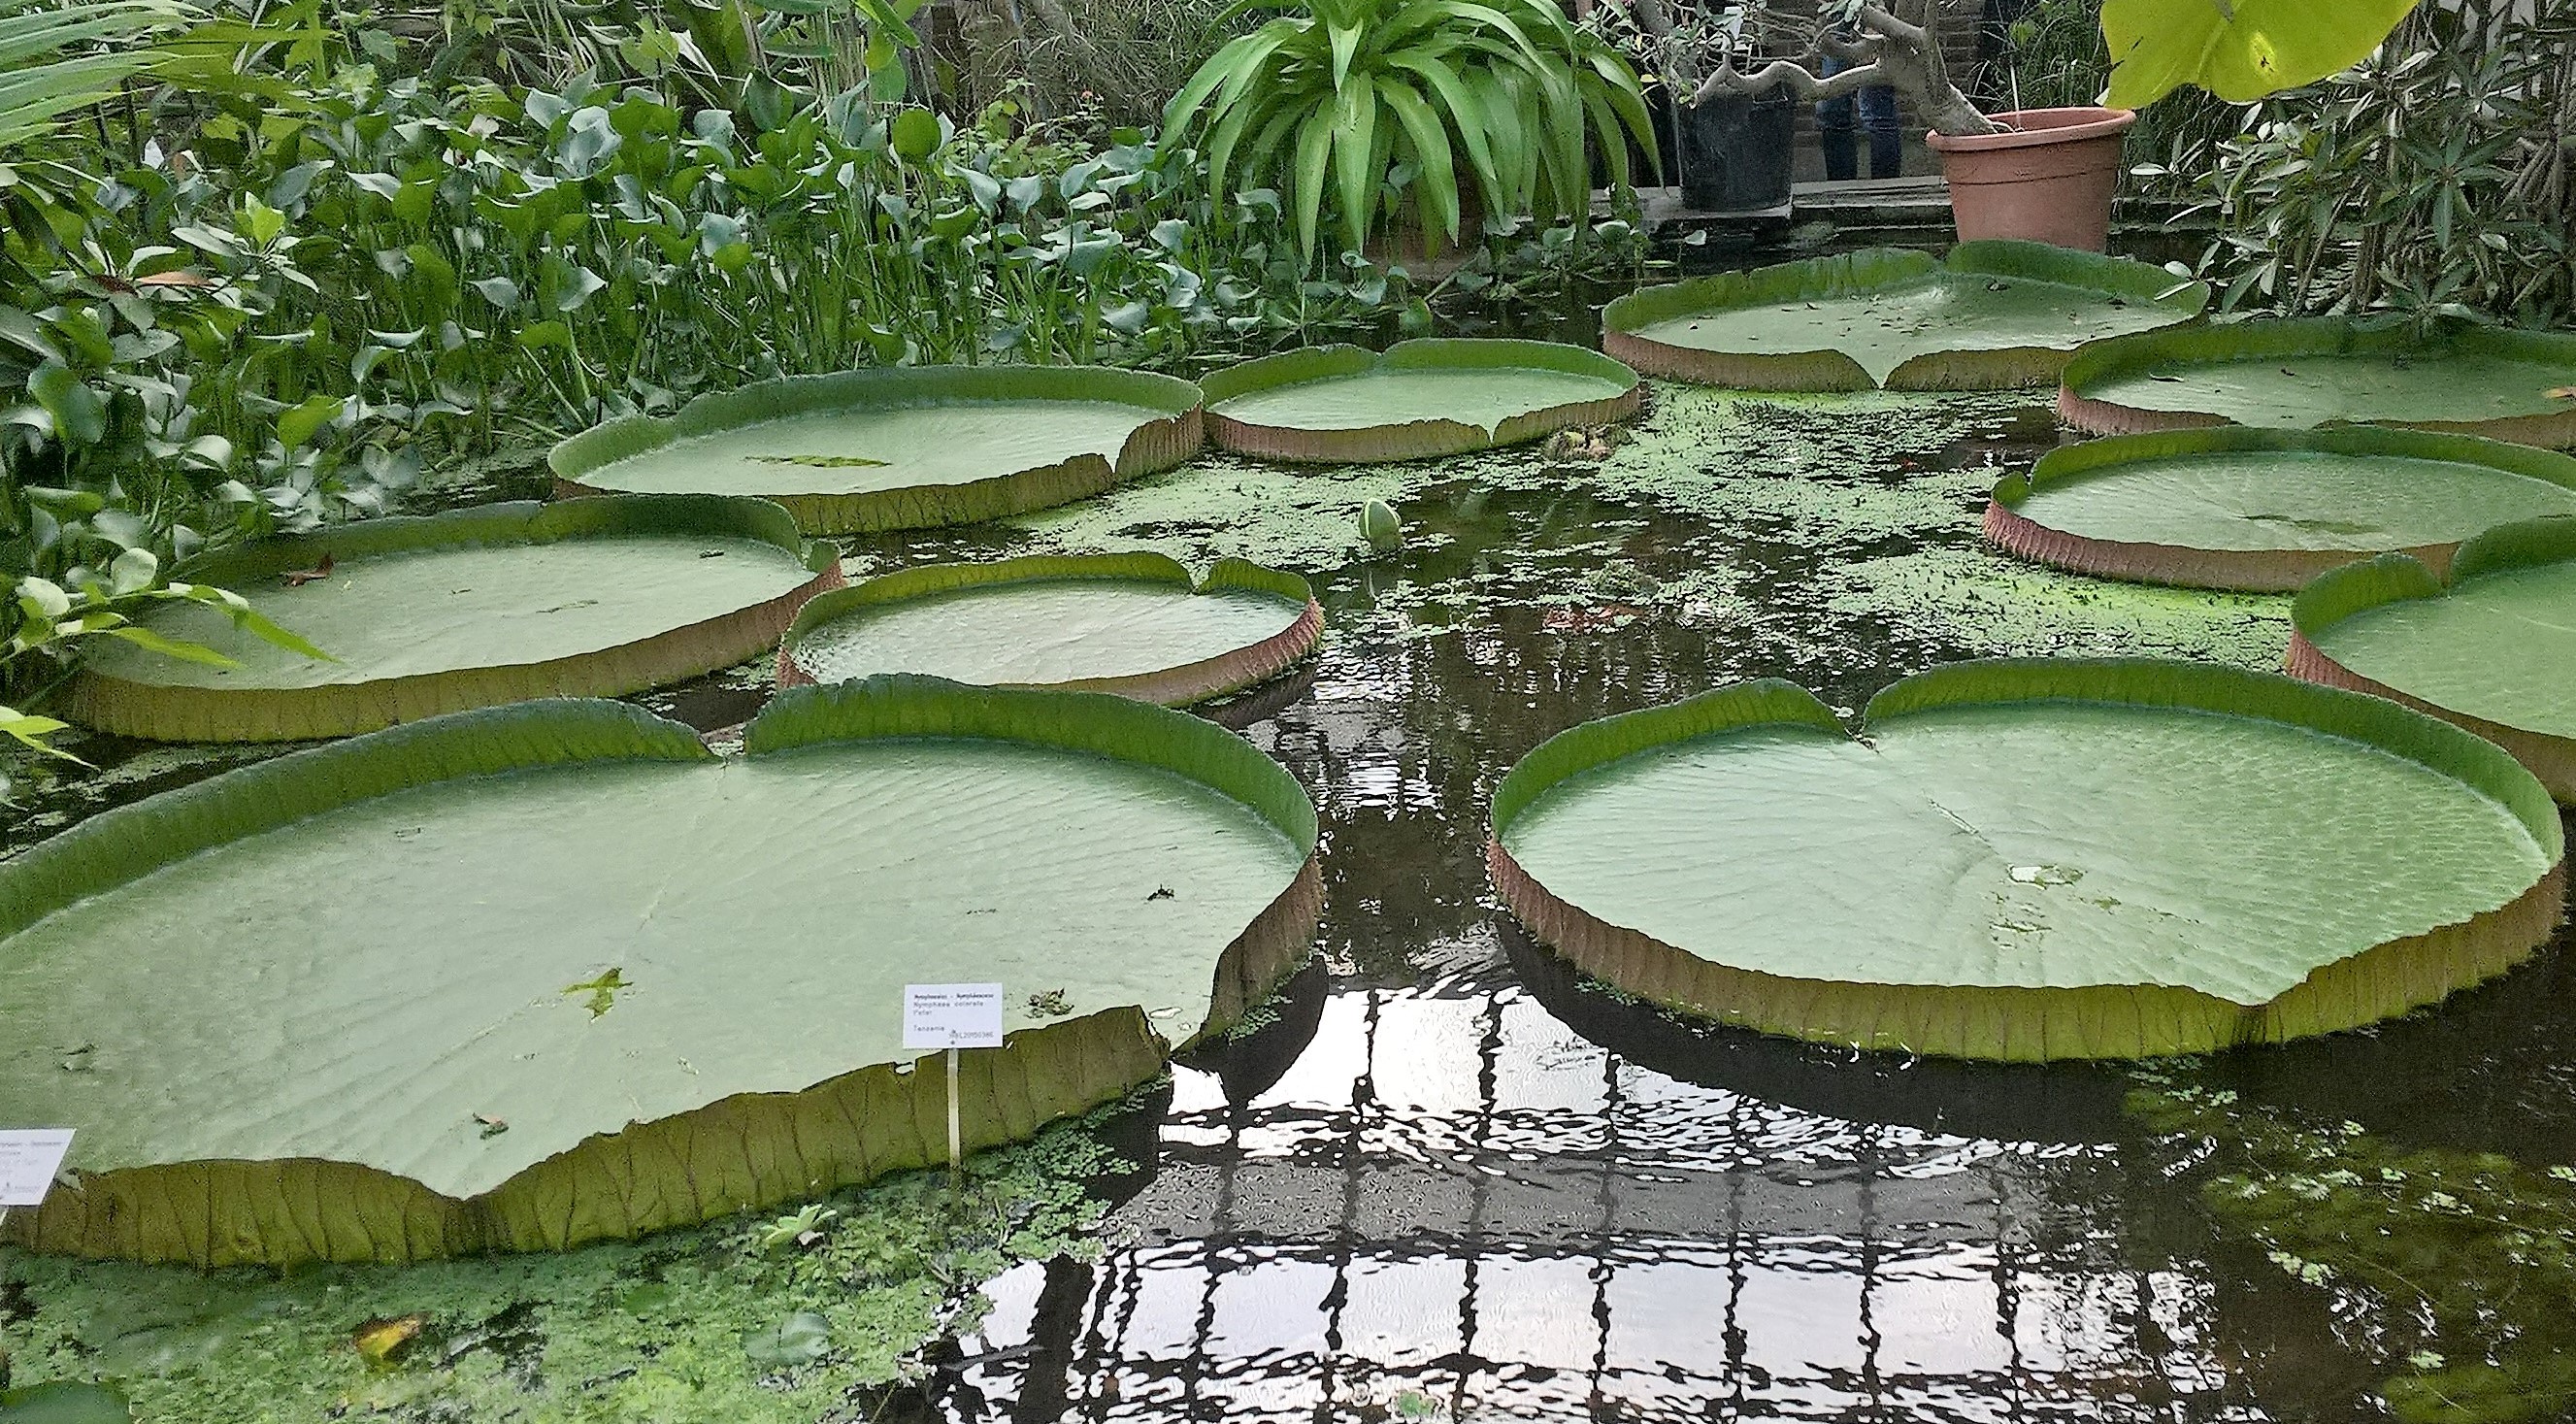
[(2261, 510), (2498, 382), (907, 447), (498, 603), (527, 977), (1132, 624), (2035, 859), (2491, 646), (1420, 399), (1995, 314)]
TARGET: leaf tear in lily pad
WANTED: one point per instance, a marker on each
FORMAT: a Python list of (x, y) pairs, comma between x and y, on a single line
[(1419, 400), (1995, 314), (2039, 859)]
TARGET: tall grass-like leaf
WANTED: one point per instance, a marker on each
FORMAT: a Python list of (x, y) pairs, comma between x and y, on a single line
[(1438, 195), (36, 91), (1314, 147), (1354, 144)]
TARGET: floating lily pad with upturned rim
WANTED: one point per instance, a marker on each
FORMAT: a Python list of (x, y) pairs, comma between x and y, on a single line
[(1132, 624), (1996, 314), (1421, 399), (2491, 645), (531, 976), (2300, 372), (2238, 507), (2054, 858), (910, 447), (498, 603)]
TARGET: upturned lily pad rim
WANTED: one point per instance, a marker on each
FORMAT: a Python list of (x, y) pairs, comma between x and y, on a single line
[(1415, 439), (1170, 435), (2276, 338), (2252, 570), (2400, 578), (2120, 1021), (1172, 687), (279, 1212), (1877, 269), (157, 711)]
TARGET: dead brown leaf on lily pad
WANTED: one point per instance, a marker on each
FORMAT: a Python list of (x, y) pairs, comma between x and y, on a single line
[(298, 578), (2560, 393)]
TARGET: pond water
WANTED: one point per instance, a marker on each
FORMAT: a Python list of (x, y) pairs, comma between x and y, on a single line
[(1451, 1181)]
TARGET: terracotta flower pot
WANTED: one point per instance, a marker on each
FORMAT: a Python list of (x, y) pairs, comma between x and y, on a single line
[(2048, 177)]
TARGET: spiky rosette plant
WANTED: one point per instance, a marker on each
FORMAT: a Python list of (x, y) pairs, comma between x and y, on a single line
[(1378, 105)]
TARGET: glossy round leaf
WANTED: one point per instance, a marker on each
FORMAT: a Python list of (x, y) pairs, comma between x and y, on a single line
[(1993, 315), (2240, 50), (900, 447), (2493, 647), (1423, 398), (2031, 860), (530, 976), (1133, 624), (2267, 510), (2497, 382), (494, 604)]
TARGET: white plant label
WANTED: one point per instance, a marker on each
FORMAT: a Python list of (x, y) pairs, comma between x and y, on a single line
[(952, 1015), (29, 1158)]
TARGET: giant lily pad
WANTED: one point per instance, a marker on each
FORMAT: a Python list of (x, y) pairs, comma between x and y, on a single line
[(1996, 314), (2034, 859), (467, 609), (1132, 624), (900, 448), (1343, 404), (531, 976), (2267, 510), (2491, 647), (2300, 372)]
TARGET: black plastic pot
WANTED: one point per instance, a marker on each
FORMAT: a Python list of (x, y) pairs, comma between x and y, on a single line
[(1735, 152)]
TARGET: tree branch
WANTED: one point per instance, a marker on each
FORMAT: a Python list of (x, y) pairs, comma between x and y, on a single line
[(1789, 75)]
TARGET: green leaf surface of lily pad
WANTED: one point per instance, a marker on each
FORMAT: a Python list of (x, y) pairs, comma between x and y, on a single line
[(2266, 510), (2501, 383), (308, 988), (471, 608), (2037, 859), (1422, 398), (1133, 624), (1994, 314), (900, 448), (2493, 646)]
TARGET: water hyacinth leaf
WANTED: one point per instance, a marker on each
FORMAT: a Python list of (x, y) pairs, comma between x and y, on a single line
[(761, 913), (1994, 315), (2487, 643), (426, 615), (2239, 507), (2496, 382), (1132, 624), (915, 134), (2039, 859), (904, 448), (1422, 398), (2239, 50)]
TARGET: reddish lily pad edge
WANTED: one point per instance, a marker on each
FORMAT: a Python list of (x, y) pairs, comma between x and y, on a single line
[(745, 1152), (1869, 270), (2398, 578), (1171, 434), (1171, 687), (2043, 1024), (172, 713), (1416, 439), (2240, 570)]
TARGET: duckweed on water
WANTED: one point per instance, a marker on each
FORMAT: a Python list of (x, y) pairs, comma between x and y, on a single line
[(743, 1322), (2455, 1270)]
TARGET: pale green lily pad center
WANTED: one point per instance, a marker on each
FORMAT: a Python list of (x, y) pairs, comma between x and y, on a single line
[(2500, 647), (1044, 632), (2429, 386), (1483, 396), (869, 450), (442, 609), (1883, 328), (2260, 500), (2035, 845), (383, 982)]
